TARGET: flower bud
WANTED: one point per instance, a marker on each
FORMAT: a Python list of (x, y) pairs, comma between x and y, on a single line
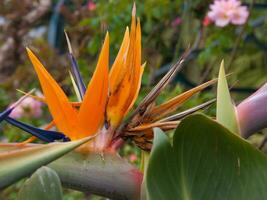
[(252, 112)]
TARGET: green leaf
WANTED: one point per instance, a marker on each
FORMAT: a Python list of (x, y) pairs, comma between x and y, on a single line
[(206, 162), (143, 168), (44, 184), (144, 160), (225, 113), (161, 161), (16, 164)]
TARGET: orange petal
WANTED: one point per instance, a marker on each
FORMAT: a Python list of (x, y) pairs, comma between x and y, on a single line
[(118, 68), (153, 125), (138, 70), (123, 97), (92, 111), (116, 102), (137, 88), (171, 105), (64, 115)]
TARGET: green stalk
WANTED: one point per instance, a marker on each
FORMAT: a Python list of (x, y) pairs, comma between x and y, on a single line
[(104, 174)]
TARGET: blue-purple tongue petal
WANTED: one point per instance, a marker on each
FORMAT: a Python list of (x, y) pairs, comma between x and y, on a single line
[(75, 70), (77, 76), (5, 114), (45, 135)]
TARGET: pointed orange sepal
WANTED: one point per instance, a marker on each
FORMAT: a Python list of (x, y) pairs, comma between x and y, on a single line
[(171, 105), (118, 69), (92, 110), (137, 89), (64, 115), (137, 69), (163, 125), (124, 95)]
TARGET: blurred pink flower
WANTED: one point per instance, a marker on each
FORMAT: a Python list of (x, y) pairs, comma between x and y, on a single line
[(223, 12), (206, 21), (16, 113), (28, 107), (177, 21), (91, 5), (132, 158)]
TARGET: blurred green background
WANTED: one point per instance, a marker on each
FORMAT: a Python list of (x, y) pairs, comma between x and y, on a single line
[(169, 27)]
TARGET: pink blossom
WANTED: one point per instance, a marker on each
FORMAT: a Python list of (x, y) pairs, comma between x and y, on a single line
[(240, 16), (224, 12), (91, 5), (16, 113), (177, 21), (28, 107), (132, 158), (206, 21), (32, 107)]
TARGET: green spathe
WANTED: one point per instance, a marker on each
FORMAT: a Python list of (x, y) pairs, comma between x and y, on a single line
[(21, 162)]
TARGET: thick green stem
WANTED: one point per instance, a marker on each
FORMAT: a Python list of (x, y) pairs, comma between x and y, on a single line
[(102, 174)]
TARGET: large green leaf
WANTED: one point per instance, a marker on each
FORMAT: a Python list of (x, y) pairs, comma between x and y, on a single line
[(44, 184), (16, 162), (225, 113), (206, 162)]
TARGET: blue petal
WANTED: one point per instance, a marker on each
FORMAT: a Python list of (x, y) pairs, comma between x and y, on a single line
[(77, 76), (5, 114), (47, 136)]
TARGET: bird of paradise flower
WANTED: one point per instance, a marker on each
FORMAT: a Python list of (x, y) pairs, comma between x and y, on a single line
[(107, 100)]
